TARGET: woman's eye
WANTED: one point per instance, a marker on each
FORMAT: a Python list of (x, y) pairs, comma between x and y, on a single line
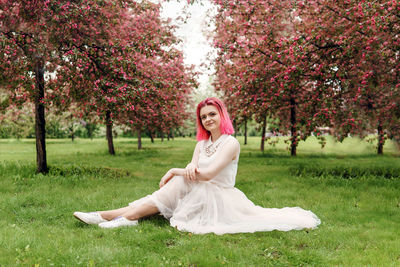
[(209, 115)]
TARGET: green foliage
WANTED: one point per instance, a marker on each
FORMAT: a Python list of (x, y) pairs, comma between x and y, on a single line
[(17, 128), (17, 122), (359, 216), (4, 101), (81, 170), (4, 131), (346, 172), (54, 129), (91, 130)]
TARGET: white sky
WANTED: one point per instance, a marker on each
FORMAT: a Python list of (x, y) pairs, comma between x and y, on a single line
[(193, 32)]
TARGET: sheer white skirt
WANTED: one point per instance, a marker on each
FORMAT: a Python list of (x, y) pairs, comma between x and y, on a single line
[(204, 207)]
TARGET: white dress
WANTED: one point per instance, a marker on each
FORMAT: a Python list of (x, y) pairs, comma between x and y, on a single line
[(216, 206)]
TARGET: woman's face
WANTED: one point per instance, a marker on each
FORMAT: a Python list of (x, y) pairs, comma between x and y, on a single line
[(210, 118)]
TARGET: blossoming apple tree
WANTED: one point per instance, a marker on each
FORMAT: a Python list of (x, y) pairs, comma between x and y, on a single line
[(88, 52)]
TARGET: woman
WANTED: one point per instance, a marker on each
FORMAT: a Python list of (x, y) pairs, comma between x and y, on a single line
[(202, 198)]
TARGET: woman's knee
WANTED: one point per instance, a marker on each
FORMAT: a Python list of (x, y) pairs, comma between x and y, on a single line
[(141, 211), (179, 181)]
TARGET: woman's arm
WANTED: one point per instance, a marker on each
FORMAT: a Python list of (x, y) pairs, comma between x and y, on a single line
[(229, 152), (170, 174), (196, 154), (188, 173), (190, 170)]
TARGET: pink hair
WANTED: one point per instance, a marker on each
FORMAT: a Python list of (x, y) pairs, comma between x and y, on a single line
[(226, 124)]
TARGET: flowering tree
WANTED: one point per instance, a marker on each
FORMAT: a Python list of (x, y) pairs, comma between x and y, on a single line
[(107, 72), (91, 51), (161, 105), (360, 42), (25, 50), (313, 63), (264, 60), (137, 79), (230, 81)]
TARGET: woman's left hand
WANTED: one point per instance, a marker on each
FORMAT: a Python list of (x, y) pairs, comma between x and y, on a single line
[(190, 172), (166, 178)]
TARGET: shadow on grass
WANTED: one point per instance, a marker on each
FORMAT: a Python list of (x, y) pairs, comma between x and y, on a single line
[(282, 155), (156, 220), (29, 171), (381, 170), (138, 154), (79, 224), (123, 152)]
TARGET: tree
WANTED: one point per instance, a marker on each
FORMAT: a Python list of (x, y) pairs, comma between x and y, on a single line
[(161, 106), (88, 52), (358, 43), (133, 75), (264, 61), (313, 64), (25, 49)]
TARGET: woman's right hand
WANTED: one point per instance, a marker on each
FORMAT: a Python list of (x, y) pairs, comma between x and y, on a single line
[(165, 179), (190, 172)]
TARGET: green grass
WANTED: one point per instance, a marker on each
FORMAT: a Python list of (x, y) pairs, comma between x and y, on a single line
[(360, 214)]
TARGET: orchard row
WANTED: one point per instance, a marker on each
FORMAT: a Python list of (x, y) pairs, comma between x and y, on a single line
[(309, 65), (115, 60), (305, 65)]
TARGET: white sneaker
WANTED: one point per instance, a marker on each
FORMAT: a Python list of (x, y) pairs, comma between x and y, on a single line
[(118, 222), (89, 217)]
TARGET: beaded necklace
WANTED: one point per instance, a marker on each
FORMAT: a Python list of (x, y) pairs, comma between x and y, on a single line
[(212, 148)]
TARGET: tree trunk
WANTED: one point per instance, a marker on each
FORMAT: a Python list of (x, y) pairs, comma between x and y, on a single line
[(162, 136), (71, 130), (235, 127), (139, 139), (264, 126), (172, 134), (381, 139), (151, 136), (109, 134), (40, 122), (293, 131), (245, 131), (90, 129)]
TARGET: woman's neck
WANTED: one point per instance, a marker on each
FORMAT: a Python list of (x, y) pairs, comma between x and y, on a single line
[(215, 136)]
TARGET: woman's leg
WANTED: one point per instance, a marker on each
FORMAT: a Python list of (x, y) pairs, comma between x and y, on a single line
[(140, 211), (169, 195), (130, 212), (111, 214)]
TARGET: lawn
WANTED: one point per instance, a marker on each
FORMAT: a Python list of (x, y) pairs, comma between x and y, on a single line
[(360, 214)]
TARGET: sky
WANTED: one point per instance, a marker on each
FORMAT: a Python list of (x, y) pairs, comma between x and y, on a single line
[(193, 32)]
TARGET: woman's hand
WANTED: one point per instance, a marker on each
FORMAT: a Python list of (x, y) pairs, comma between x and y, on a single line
[(166, 178), (190, 172)]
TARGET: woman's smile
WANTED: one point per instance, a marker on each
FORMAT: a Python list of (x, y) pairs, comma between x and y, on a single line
[(210, 118)]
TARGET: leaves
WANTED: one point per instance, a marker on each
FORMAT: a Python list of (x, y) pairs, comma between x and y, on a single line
[(310, 64), (100, 56)]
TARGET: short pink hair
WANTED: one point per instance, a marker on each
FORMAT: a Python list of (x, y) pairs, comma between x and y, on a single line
[(226, 124)]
